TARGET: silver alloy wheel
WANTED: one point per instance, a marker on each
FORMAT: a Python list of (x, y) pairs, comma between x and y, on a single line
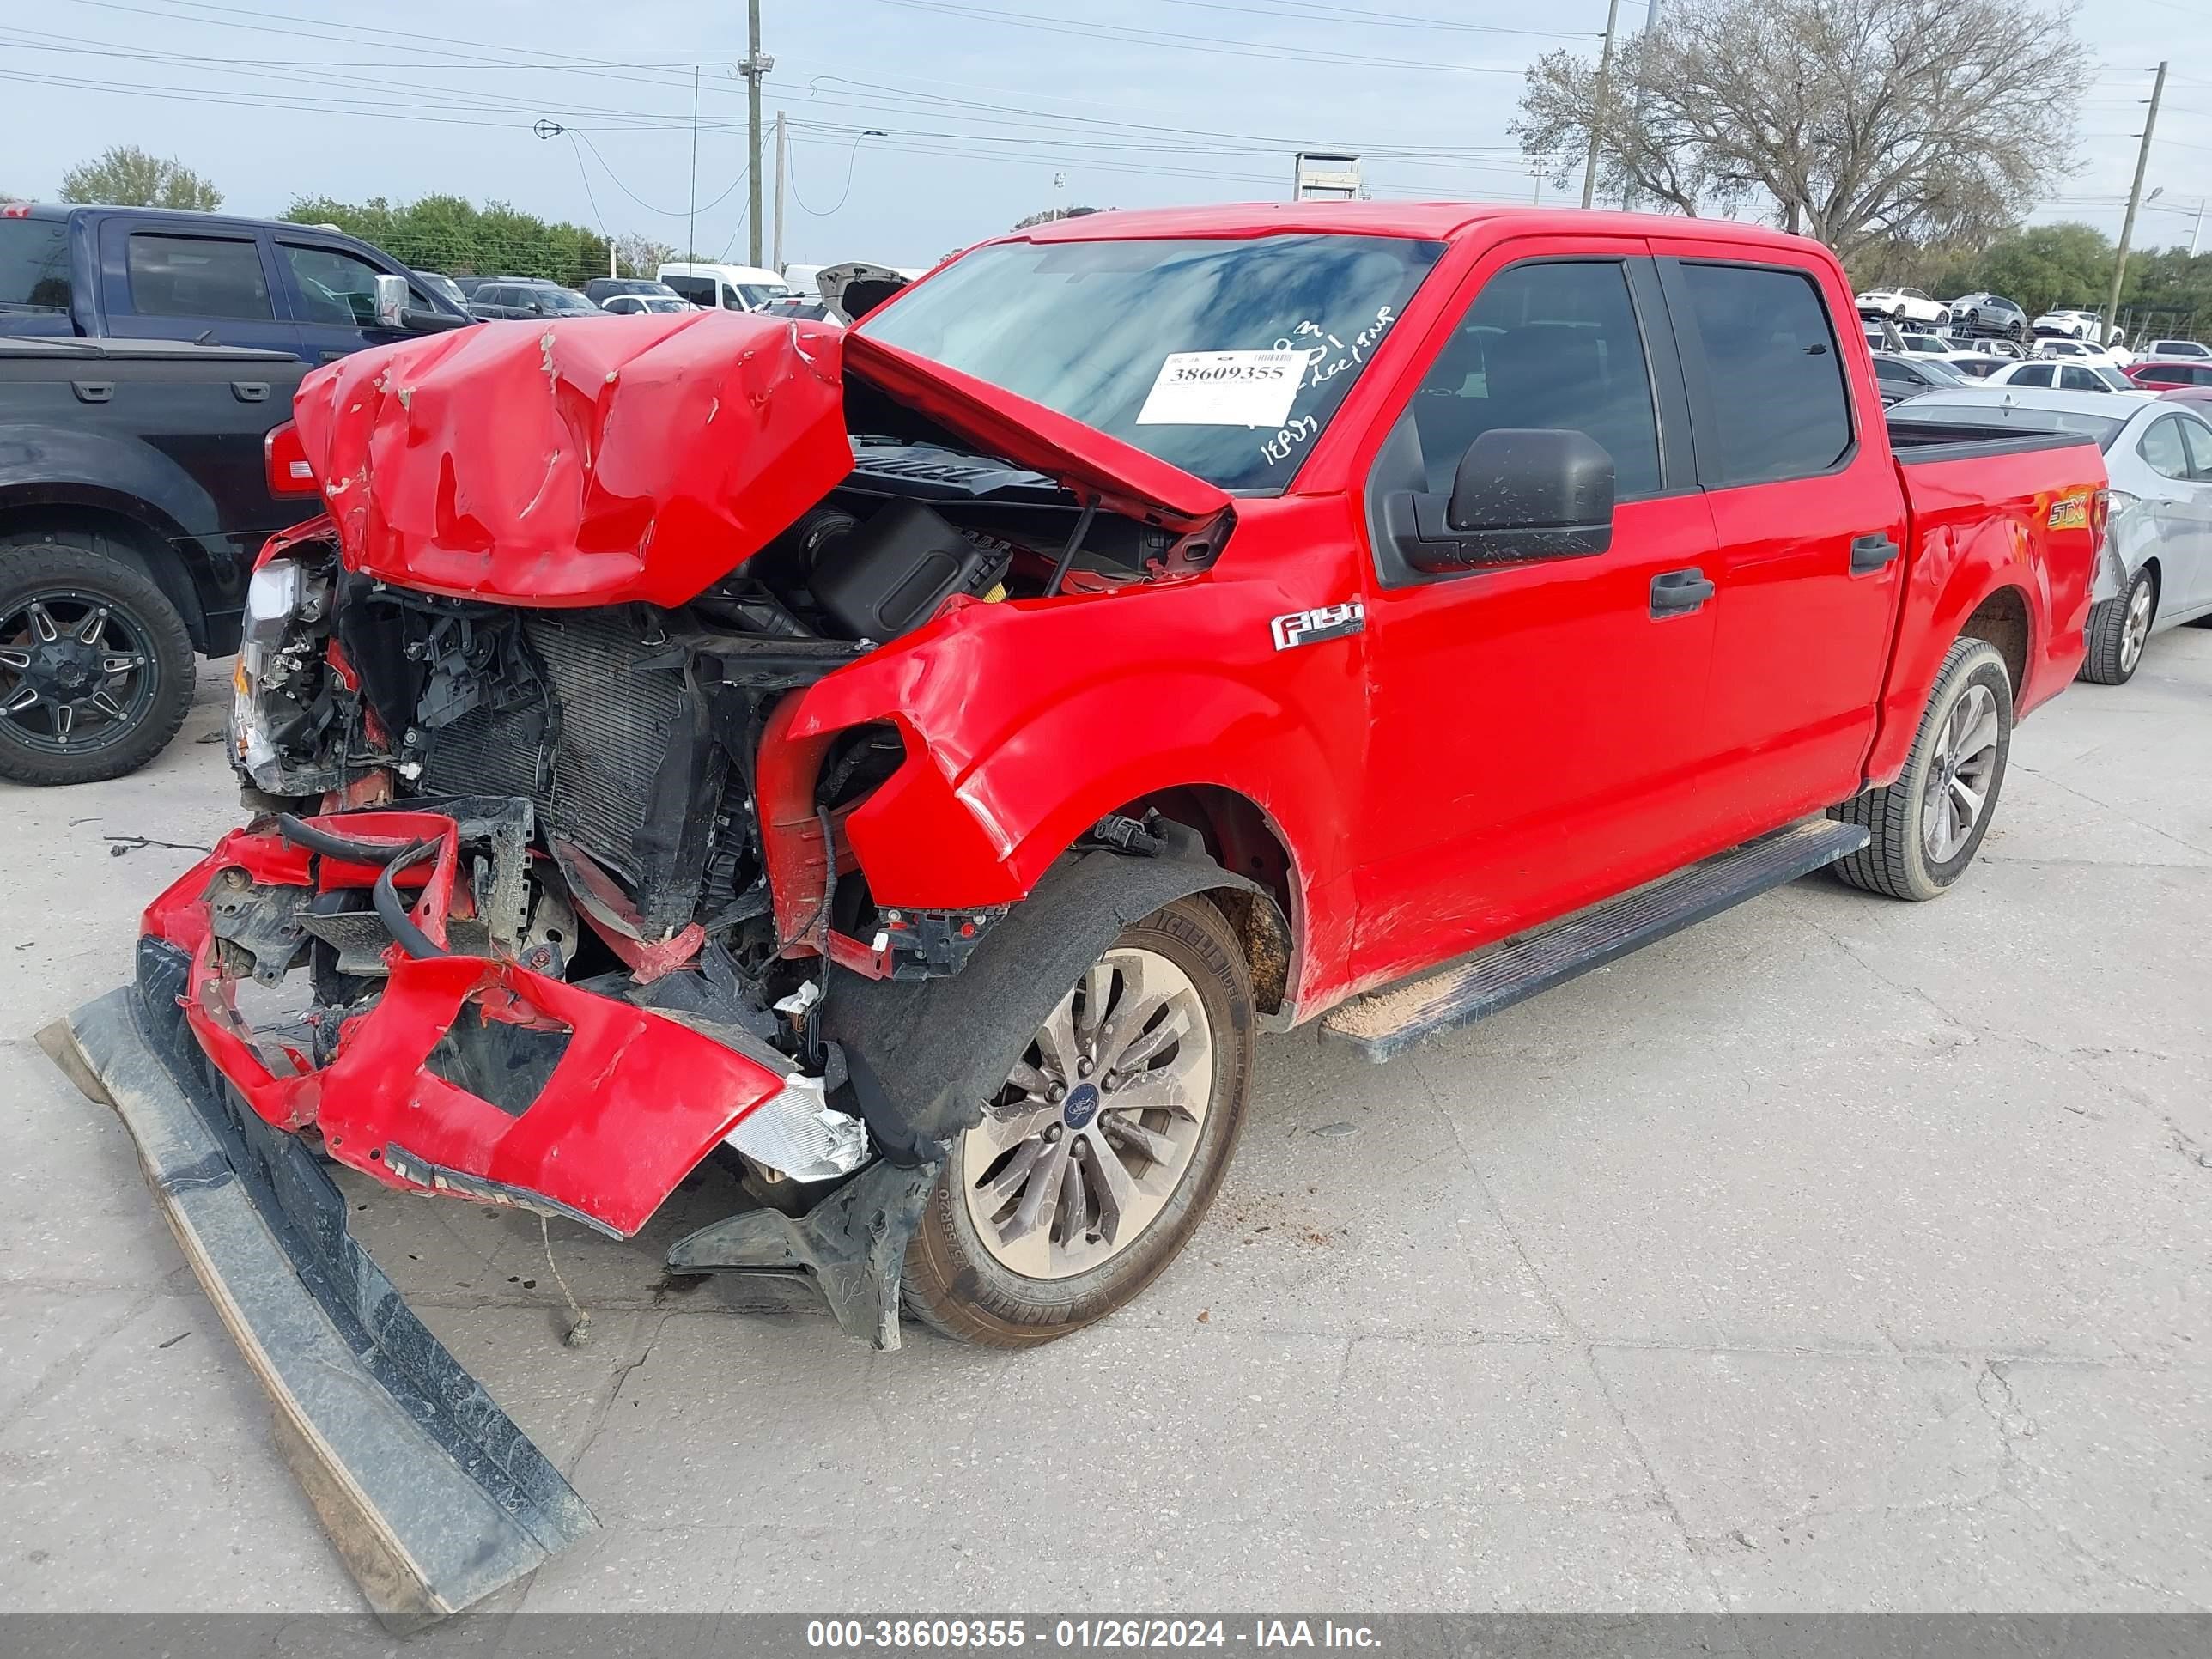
[(1098, 1123), (1960, 774), (2135, 629)]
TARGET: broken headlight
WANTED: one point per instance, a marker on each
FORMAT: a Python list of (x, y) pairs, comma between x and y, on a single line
[(277, 682)]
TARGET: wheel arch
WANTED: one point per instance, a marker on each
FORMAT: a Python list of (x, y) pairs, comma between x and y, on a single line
[(131, 531), (1244, 838), (2004, 619)]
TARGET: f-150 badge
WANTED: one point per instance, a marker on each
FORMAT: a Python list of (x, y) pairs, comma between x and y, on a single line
[(1324, 622)]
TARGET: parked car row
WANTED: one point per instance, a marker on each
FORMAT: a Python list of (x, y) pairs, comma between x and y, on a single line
[(2157, 572)]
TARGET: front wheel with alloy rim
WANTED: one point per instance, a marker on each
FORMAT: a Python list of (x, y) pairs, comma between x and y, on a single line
[(95, 667), (1095, 1162), (1925, 827), (2118, 630)]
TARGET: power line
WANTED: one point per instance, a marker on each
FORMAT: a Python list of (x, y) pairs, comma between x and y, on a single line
[(852, 161), (665, 213), (1199, 43), (1054, 119), (1328, 14)]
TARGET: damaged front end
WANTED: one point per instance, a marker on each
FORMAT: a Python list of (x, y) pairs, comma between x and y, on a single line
[(552, 871), (548, 893)]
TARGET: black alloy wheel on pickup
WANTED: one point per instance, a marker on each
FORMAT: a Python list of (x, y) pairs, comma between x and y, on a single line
[(96, 666)]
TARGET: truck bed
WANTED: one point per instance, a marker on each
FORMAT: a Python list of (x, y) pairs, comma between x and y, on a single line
[(1917, 443)]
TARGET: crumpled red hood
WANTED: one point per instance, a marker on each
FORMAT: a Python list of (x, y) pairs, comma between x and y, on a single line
[(593, 460), (597, 461)]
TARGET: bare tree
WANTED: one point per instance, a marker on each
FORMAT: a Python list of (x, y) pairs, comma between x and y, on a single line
[(640, 255), (1856, 121), (127, 176)]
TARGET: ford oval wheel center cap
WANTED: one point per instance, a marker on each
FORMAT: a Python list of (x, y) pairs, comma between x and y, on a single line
[(1081, 1105)]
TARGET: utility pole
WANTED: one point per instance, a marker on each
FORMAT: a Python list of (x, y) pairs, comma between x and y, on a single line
[(779, 193), (691, 224), (755, 67), (1597, 101), (2199, 228), (1651, 23), (2135, 200), (611, 269)]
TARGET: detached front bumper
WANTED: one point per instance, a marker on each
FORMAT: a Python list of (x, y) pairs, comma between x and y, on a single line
[(431, 1493)]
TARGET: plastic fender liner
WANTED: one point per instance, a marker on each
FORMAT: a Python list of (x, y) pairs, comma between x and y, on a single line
[(924, 1055), (433, 1496)]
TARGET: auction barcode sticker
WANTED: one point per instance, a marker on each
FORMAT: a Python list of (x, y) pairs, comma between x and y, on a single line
[(1223, 388)]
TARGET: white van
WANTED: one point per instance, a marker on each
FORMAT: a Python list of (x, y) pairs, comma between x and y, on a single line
[(724, 288)]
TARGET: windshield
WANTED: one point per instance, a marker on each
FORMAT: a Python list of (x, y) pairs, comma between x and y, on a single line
[(2011, 417), (1225, 358), (2111, 377)]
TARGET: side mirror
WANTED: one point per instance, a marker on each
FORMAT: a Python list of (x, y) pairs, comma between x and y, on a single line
[(392, 310), (391, 301), (1520, 495)]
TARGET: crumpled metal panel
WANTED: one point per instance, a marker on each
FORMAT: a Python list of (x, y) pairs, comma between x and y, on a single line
[(587, 461)]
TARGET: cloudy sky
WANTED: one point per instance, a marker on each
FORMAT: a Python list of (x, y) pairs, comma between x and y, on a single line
[(916, 125)]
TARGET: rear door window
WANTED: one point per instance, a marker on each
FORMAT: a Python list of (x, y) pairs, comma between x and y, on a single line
[(2033, 374), (1779, 405), (197, 277), (34, 265), (2161, 449)]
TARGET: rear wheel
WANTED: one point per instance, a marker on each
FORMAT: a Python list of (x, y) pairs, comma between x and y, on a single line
[(2118, 627), (96, 666), (1095, 1164), (1927, 826)]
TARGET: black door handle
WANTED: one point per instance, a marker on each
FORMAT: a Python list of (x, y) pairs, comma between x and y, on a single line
[(1871, 553), (1678, 593)]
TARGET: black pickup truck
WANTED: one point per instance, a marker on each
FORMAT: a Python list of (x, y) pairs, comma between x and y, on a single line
[(134, 495)]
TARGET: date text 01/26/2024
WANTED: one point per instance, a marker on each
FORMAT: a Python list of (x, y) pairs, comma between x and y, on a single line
[(984, 1634)]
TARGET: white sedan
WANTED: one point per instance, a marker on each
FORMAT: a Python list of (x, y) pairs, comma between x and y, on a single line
[(2156, 568), (2068, 375), (639, 305), (1903, 305), (2069, 325), (2083, 351)]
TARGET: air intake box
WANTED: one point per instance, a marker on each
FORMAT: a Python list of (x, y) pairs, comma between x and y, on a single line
[(884, 576)]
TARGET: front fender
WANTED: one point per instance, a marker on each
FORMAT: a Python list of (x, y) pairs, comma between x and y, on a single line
[(1025, 724)]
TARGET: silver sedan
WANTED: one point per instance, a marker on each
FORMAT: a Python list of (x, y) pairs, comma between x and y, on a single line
[(2156, 570)]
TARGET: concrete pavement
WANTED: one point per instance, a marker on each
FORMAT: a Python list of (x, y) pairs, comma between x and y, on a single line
[(1837, 1255)]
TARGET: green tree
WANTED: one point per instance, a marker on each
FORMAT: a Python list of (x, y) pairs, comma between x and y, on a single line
[(2048, 265), (453, 234), (124, 175)]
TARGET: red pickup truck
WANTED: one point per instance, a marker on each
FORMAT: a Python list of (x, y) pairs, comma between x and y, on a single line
[(911, 763)]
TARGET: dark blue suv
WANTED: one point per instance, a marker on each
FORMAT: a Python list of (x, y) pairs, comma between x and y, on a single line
[(156, 273)]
